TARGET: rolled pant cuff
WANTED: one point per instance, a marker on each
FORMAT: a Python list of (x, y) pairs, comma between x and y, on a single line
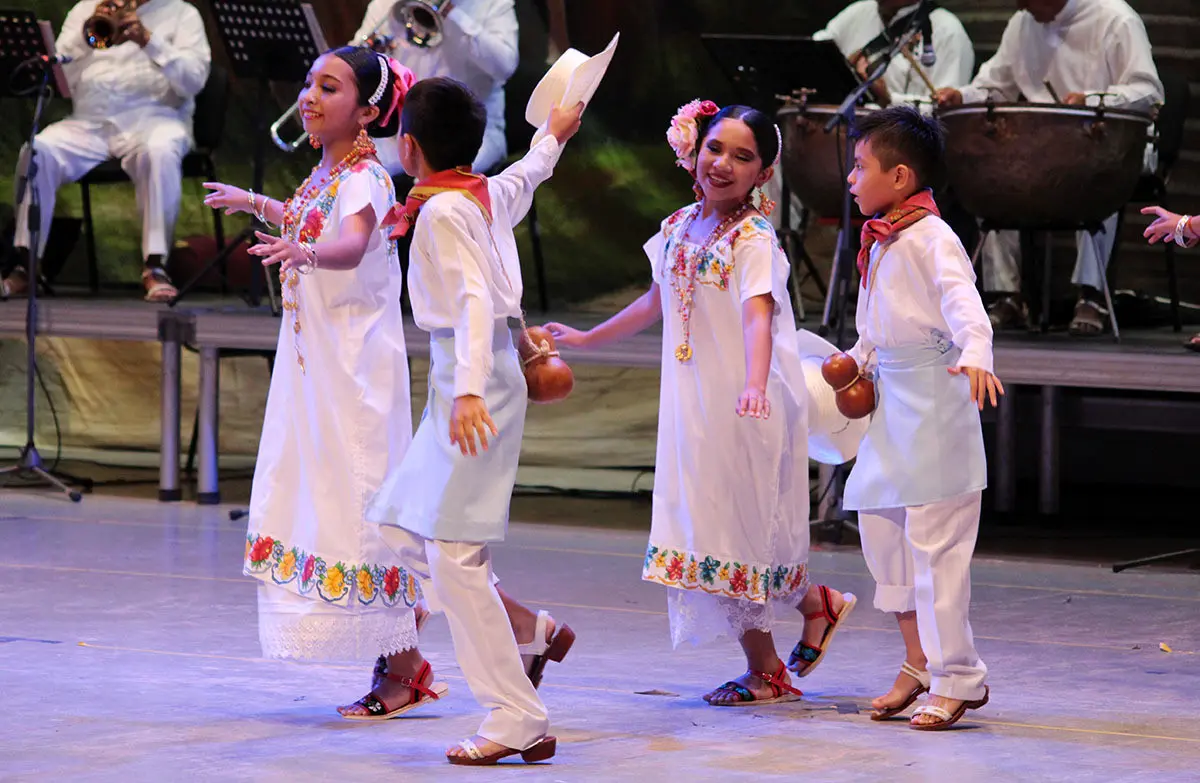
[(959, 688), (895, 598)]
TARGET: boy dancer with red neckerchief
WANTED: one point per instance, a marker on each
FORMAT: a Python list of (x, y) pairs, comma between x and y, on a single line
[(449, 498), (920, 472)]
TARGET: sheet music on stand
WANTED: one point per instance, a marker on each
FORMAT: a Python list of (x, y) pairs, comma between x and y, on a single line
[(761, 67), (273, 39), (24, 37)]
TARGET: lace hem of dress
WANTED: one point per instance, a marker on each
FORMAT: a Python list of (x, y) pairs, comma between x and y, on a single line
[(344, 637), (699, 617)]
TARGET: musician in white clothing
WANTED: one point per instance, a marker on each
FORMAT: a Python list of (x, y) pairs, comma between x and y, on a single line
[(133, 101), (478, 48), (1081, 47), (859, 32)]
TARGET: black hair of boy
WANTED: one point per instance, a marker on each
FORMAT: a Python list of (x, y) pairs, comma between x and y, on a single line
[(446, 120), (365, 64), (903, 135)]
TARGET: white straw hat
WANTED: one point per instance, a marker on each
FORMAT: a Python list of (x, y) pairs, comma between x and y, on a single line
[(574, 78), (832, 438)]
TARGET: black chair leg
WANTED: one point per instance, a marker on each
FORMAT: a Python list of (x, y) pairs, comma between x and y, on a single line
[(90, 228), (539, 261)]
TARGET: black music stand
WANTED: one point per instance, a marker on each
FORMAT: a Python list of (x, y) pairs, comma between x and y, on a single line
[(764, 68), (267, 41), (26, 54)]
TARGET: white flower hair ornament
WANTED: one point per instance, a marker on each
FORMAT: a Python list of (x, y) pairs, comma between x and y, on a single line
[(684, 133)]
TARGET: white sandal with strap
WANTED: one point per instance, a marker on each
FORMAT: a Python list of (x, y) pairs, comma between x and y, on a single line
[(158, 285), (946, 718), (923, 679), (537, 653)]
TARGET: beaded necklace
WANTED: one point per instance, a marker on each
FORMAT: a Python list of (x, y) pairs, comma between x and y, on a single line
[(306, 234), (685, 272)]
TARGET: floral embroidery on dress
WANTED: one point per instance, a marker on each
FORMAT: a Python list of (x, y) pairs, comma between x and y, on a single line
[(716, 266), (692, 571), (336, 583)]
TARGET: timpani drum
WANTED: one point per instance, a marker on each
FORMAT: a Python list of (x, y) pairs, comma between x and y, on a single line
[(812, 159), (1027, 165)]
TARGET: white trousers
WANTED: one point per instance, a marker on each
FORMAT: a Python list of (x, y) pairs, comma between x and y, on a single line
[(1002, 259), (457, 579), (921, 560), (151, 154)]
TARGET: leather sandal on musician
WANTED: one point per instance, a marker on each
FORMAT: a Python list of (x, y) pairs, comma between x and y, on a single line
[(421, 694), (805, 657), (781, 691), (537, 653), (922, 679), (945, 718), (15, 284), (1008, 312), (158, 285), (1089, 319), (543, 750)]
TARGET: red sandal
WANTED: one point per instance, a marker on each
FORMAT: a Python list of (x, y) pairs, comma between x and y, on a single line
[(780, 690), (805, 658), (421, 694)]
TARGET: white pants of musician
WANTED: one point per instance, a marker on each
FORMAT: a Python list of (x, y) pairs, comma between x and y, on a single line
[(457, 579), (151, 154), (921, 560), (1002, 259)]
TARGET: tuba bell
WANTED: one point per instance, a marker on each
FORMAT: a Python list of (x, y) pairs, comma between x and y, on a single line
[(106, 27)]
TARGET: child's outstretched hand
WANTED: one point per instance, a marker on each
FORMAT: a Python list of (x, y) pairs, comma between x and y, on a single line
[(227, 197), (564, 123), (566, 335), (469, 418), (984, 385), (754, 403)]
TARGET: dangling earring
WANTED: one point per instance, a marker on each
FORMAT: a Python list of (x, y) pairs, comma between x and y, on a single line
[(314, 142), (363, 146), (765, 204), (698, 191)]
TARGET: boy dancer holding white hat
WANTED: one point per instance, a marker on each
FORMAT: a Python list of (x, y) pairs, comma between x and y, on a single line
[(921, 469)]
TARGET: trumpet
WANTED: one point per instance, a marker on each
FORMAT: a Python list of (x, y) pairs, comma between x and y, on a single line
[(421, 21), (106, 27)]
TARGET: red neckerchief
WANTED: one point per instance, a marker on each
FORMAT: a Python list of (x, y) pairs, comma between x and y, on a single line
[(461, 180), (875, 230)]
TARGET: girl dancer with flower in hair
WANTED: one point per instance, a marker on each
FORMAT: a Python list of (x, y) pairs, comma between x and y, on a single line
[(338, 412), (729, 533)]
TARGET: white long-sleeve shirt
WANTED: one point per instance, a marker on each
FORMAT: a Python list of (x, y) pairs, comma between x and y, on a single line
[(1091, 46), (128, 82), (924, 283), (454, 277), (859, 23), (479, 49)]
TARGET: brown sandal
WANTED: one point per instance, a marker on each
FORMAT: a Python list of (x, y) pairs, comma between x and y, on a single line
[(922, 686), (945, 718), (540, 651), (542, 750)]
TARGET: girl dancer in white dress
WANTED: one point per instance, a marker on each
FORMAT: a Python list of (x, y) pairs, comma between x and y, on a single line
[(729, 533)]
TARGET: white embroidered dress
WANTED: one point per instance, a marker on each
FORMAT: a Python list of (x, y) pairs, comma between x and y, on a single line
[(335, 424), (729, 530)]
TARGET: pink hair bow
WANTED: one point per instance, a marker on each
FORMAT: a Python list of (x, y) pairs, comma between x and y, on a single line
[(401, 84)]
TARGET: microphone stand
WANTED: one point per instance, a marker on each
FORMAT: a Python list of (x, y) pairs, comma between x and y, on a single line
[(843, 269), (30, 464)]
